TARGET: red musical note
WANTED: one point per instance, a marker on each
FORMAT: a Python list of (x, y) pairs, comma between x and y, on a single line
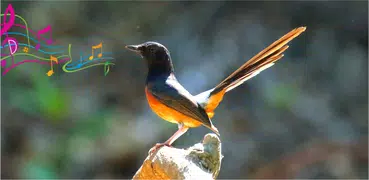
[(5, 27), (9, 24), (44, 31)]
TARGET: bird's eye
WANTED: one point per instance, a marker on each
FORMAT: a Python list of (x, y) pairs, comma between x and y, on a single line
[(151, 50)]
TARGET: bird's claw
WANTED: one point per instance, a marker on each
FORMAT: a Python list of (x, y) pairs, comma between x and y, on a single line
[(157, 147)]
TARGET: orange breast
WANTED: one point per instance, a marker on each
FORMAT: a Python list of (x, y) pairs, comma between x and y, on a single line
[(168, 113)]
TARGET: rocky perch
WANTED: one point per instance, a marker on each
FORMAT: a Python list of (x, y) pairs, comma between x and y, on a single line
[(200, 161)]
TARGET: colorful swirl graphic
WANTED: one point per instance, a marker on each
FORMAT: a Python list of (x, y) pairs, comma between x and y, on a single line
[(56, 54)]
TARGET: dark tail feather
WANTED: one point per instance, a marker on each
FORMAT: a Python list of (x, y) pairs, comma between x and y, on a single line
[(258, 63), (251, 68)]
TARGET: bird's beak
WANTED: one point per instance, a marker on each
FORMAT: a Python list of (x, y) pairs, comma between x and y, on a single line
[(134, 48)]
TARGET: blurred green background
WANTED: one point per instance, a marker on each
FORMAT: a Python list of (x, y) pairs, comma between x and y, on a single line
[(306, 117)]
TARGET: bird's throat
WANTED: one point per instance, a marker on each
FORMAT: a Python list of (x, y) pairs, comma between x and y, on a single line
[(160, 68)]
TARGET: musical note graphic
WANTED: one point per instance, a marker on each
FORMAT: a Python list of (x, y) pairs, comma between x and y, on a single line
[(27, 54), (36, 41), (29, 61), (106, 68), (51, 71), (19, 25), (44, 31), (8, 24), (12, 42), (43, 39), (96, 47), (27, 47), (73, 67)]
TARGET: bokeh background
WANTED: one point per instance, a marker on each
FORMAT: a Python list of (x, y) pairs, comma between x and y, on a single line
[(306, 117)]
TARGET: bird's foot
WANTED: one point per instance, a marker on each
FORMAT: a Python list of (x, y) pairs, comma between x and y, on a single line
[(157, 147)]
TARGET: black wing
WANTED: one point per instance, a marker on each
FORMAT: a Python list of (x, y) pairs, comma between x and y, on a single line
[(175, 96)]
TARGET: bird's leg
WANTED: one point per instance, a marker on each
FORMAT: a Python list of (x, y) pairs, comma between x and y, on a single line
[(181, 130)]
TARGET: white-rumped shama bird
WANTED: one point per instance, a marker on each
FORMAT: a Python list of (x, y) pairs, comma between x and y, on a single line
[(173, 103)]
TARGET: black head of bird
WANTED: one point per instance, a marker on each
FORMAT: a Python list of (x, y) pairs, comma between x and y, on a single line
[(156, 56)]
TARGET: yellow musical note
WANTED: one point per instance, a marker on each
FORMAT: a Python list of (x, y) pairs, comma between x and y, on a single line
[(51, 71), (96, 47)]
